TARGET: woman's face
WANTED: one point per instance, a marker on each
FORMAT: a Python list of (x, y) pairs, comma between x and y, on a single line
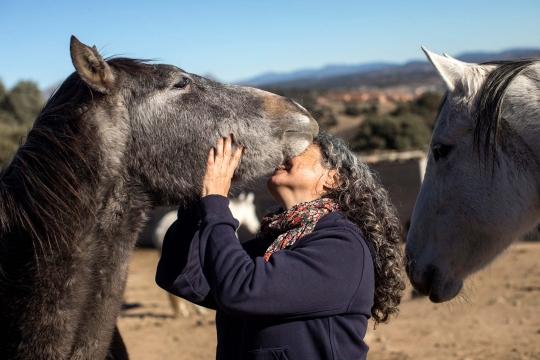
[(303, 178)]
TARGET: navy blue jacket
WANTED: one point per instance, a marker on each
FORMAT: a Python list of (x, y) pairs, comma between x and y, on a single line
[(310, 301)]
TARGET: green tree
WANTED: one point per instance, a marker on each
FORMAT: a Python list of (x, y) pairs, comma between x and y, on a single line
[(10, 138), (3, 92), (388, 132), (6, 117), (326, 118), (23, 103), (425, 106), (352, 110)]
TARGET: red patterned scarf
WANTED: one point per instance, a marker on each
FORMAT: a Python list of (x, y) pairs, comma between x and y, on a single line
[(294, 223)]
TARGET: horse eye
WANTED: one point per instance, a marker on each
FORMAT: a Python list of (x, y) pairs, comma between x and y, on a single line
[(182, 83), (440, 151)]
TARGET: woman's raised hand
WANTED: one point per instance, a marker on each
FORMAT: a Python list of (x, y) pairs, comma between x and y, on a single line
[(220, 168)]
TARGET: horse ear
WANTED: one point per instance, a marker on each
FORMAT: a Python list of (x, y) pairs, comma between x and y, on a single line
[(250, 197), (448, 56), (91, 67), (453, 72)]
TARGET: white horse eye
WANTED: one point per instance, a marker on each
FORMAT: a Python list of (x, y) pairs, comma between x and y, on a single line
[(182, 83), (440, 151)]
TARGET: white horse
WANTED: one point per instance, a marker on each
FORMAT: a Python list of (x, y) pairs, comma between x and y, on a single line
[(243, 210), (481, 189)]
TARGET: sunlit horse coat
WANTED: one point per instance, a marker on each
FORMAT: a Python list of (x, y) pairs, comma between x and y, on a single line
[(310, 301), (118, 138)]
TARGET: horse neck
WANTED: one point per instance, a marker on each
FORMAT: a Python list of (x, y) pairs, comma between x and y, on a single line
[(528, 129), (526, 125), (65, 183), (522, 111), (48, 182)]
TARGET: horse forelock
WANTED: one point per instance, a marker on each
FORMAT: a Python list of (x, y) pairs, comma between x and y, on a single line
[(490, 103)]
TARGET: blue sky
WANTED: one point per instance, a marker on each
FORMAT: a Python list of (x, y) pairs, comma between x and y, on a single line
[(235, 40)]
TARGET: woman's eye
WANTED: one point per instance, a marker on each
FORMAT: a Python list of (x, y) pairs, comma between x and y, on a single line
[(440, 151), (182, 83)]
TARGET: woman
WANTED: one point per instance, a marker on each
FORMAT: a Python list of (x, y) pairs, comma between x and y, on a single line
[(317, 271)]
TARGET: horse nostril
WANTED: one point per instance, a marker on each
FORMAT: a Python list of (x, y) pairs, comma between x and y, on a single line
[(421, 279), (426, 280)]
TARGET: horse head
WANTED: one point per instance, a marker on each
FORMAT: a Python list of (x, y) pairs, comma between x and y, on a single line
[(481, 187), (162, 121)]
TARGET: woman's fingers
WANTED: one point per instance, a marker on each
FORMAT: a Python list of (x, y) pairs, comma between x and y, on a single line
[(227, 147), (211, 158), (235, 160), (219, 151), (224, 151), (221, 161), (221, 165)]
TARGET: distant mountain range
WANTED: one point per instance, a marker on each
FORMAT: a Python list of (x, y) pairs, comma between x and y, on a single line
[(324, 72), (375, 75), (368, 76)]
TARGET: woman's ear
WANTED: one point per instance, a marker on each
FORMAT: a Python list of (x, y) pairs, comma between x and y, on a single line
[(332, 180)]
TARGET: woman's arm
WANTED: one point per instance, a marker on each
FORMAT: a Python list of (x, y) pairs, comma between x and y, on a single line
[(319, 278), (179, 271)]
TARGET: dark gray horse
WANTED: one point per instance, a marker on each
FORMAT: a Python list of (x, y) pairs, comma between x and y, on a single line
[(118, 138)]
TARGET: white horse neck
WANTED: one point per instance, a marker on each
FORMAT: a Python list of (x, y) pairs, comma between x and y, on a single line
[(524, 114)]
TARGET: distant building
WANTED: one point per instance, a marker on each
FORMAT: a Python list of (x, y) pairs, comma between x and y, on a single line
[(372, 97)]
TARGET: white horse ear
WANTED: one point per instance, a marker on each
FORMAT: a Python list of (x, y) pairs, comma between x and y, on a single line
[(453, 72), (448, 56), (91, 67), (250, 197), (242, 196)]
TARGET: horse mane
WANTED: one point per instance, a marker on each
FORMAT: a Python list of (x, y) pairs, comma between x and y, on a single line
[(132, 66), (491, 100), (51, 179)]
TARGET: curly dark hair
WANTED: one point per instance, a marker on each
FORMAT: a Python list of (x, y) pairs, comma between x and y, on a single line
[(361, 196)]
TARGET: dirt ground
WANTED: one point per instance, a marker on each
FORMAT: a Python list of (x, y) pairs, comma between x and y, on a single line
[(498, 318)]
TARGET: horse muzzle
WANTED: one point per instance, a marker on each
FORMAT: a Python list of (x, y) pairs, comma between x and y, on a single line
[(430, 280)]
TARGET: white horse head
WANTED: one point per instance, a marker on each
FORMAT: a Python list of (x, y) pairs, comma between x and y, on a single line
[(481, 189), (243, 210)]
